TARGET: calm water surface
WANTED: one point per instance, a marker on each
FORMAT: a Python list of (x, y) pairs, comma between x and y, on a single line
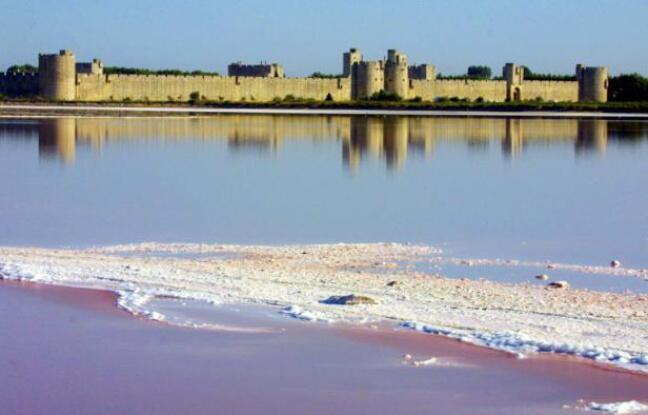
[(561, 190)]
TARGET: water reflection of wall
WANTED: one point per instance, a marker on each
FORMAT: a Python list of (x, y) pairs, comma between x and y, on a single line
[(57, 139), (390, 139)]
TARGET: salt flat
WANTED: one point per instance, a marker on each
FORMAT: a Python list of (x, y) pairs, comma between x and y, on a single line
[(520, 318)]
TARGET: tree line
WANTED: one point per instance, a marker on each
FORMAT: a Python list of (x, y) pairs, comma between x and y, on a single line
[(120, 70)]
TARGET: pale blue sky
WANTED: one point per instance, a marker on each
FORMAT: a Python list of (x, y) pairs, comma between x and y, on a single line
[(307, 35)]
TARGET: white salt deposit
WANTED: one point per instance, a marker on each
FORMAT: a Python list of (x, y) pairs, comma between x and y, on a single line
[(627, 407), (425, 362), (518, 318)]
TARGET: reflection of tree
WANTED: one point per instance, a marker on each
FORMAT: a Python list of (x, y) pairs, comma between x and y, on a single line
[(628, 132)]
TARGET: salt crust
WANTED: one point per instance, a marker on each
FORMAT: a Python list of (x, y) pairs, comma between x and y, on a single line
[(517, 318)]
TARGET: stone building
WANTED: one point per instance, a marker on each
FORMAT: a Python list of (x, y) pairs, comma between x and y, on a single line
[(60, 78), (95, 67)]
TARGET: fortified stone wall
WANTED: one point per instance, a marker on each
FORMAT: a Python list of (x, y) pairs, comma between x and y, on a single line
[(60, 79), (179, 88), (550, 90), (460, 88), (19, 84)]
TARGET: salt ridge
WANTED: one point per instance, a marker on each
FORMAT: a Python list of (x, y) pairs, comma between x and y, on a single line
[(521, 319)]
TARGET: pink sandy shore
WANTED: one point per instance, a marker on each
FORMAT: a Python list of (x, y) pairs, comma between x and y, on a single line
[(68, 350)]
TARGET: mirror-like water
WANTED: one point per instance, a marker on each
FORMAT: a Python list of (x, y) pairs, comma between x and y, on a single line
[(562, 190)]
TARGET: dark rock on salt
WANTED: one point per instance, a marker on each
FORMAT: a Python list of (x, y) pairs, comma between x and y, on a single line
[(350, 299)]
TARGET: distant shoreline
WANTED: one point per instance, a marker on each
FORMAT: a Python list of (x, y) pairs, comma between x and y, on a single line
[(99, 109)]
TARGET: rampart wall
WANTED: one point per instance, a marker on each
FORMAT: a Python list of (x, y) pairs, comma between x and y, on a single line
[(550, 90), (59, 78), (179, 88), (460, 88), (18, 84)]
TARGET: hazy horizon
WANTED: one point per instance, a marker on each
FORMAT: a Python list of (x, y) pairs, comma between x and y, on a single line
[(548, 36)]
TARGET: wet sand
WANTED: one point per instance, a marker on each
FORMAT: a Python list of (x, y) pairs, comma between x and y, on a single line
[(70, 350)]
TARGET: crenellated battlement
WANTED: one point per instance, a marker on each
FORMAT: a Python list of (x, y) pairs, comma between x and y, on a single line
[(60, 78), (19, 83)]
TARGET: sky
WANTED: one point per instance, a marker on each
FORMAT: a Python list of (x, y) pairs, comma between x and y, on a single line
[(307, 35)]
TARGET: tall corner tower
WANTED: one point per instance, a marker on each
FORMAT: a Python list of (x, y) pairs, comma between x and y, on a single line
[(592, 83), (57, 76), (397, 74)]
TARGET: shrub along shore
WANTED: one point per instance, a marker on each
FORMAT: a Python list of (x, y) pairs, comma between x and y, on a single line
[(451, 104)]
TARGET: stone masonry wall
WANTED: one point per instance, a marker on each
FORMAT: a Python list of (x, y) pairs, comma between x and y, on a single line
[(550, 90), (460, 88), (179, 88)]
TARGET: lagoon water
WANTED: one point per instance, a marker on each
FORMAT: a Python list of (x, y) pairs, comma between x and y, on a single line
[(570, 191), (563, 190)]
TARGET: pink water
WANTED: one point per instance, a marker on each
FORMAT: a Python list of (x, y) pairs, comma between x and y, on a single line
[(70, 351)]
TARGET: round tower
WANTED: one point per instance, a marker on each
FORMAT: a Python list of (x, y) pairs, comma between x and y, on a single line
[(57, 76), (396, 74), (592, 83), (368, 78)]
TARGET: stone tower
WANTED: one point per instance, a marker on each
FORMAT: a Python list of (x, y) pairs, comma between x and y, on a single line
[(425, 71), (350, 58), (592, 83), (93, 68), (397, 74), (514, 77), (367, 78), (57, 76)]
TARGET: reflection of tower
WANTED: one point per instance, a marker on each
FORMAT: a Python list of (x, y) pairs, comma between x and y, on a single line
[(395, 141), (422, 135), (592, 136), (352, 144), (366, 136), (513, 142), (375, 136), (56, 138)]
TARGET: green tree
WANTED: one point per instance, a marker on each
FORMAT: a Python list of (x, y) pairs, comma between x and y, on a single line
[(628, 87), (194, 96), (120, 70), (479, 72), (324, 75), (383, 95), (25, 68), (529, 75)]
